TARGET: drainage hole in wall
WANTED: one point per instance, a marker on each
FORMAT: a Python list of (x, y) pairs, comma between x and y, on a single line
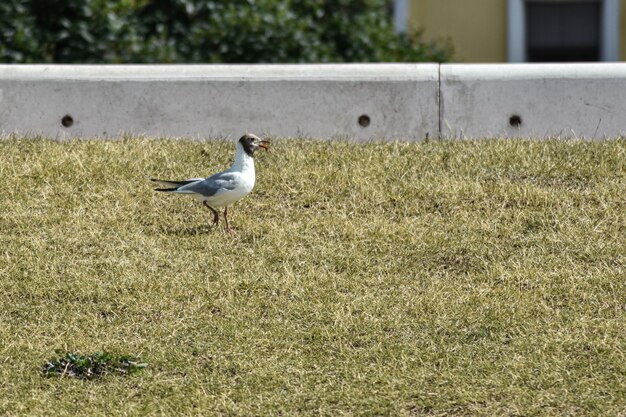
[(515, 121), (67, 120), (364, 120)]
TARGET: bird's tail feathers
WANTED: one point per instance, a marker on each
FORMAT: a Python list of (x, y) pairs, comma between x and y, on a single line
[(173, 185)]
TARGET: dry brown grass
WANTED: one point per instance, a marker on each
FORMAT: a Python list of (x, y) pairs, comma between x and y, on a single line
[(439, 278)]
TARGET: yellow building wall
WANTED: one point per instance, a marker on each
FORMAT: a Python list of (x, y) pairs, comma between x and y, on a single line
[(475, 28)]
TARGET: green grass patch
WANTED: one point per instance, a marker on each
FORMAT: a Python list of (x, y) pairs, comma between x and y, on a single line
[(435, 278), (96, 365)]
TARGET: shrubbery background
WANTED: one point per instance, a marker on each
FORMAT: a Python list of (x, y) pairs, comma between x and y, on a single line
[(171, 31)]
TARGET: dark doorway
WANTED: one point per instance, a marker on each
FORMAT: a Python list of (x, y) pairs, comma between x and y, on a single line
[(566, 31)]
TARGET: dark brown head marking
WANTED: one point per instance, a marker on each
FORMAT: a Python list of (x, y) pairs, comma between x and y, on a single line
[(251, 143)]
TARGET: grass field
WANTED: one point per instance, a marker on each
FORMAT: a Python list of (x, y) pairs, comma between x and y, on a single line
[(431, 279)]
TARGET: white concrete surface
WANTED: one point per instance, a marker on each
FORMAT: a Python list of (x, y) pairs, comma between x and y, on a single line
[(551, 100), (402, 101), (203, 101)]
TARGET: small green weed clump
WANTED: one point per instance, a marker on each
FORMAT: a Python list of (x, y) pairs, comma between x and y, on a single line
[(92, 366)]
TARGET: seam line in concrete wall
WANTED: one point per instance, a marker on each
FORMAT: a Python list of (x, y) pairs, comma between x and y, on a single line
[(439, 101)]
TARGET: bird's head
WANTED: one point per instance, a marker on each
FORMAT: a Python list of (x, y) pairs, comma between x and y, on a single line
[(251, 143)]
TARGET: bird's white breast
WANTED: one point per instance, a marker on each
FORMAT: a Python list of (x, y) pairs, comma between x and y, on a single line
[(244, 178)]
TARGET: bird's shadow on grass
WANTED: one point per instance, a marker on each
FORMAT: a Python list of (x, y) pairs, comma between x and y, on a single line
[(204, 229)]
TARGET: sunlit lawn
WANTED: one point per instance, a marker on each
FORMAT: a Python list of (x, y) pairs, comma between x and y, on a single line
[(438, 278)]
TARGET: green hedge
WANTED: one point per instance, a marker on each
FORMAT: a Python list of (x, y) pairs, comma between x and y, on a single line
[(168, 31)]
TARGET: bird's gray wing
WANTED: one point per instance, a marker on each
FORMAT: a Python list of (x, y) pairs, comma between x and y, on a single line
[(211, 185)]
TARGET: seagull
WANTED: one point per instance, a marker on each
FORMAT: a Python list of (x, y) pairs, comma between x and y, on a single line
[(225, 188)]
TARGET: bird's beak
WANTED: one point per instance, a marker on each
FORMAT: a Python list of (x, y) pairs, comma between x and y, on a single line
[(265, 144)]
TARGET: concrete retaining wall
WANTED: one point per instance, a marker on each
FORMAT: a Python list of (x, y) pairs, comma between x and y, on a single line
[(359, 101), (353, 101), (533, 101)]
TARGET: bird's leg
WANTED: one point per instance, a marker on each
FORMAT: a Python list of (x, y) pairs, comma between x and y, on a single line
[(216, 216), (228, 229)]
